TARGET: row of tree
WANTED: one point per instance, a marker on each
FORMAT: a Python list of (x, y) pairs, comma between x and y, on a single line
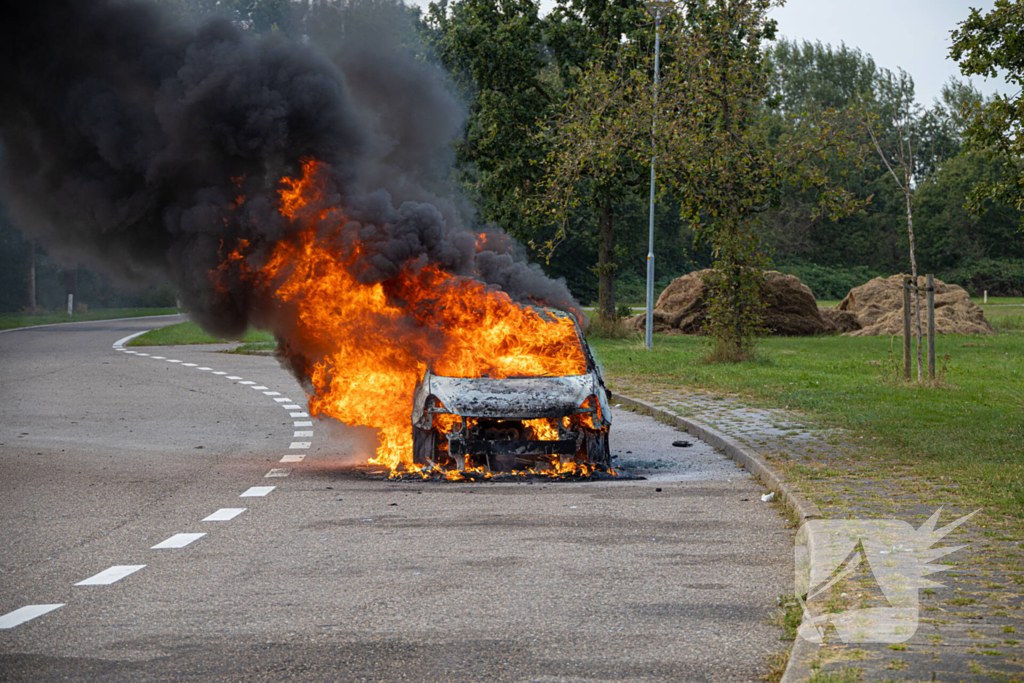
[(765, 148)]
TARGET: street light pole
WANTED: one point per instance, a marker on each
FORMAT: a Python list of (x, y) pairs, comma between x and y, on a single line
[(656, 7)]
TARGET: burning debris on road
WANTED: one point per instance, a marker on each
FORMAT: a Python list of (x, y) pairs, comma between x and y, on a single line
[(275, 188)]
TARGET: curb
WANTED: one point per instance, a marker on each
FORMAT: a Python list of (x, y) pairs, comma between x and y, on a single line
[(802, 652)]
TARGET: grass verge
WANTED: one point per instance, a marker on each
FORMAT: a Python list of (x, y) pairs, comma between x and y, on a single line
[(966, 430), (11, 320), (190, 333)]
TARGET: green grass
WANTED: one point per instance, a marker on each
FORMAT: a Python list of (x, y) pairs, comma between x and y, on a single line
[(969, 429), (190, 333), (11, 320)]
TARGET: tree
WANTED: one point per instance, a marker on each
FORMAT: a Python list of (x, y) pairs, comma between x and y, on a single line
[(495, 53), (984, 44), (901, 161), (715, 152)]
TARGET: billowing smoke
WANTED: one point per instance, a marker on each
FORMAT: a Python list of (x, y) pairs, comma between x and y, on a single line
[(128, 139)]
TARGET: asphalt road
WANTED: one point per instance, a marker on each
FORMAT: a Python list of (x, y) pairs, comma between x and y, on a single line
[(332, 575)]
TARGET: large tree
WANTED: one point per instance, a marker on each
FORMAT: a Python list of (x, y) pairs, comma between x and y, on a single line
[(984, 44)]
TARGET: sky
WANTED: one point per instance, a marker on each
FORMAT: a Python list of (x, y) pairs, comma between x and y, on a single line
[(912, 34)]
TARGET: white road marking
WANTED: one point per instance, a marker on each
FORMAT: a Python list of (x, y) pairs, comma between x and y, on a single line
[(299, 414), (27, 613), (131, 352), (246, 382), (177, 541), (257, 491), (292, 458), (303, 433), (234, 377), (173, 361), (292, 407), (203, 368), (224, 515), (278, 472), (189, 365), (299, 445), (125, 340), (272, 393), (258, 388), (141, 354), (304, 423), (282, 399), (112, 575), (158, 357), (216, 372)]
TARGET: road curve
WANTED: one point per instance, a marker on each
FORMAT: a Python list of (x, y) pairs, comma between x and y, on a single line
[(112, 462)]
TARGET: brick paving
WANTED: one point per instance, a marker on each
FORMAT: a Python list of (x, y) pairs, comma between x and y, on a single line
[(971, 628)]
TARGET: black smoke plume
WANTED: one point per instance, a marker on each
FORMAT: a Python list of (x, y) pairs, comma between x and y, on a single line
[(126, 137)]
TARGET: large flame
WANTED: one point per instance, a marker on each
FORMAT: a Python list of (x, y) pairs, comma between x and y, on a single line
[(368, 344)]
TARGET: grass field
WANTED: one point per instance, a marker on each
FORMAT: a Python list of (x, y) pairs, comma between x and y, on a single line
[(12, 320), (967, 429), (190, 333)]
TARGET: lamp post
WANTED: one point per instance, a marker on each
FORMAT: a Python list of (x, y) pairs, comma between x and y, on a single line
[(655, 7)]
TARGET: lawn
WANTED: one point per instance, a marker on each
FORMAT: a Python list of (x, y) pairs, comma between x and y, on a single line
[(12, 320), (969, 428), (190, 333)]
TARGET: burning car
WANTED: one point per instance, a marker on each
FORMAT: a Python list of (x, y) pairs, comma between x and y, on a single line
[(553, 425)]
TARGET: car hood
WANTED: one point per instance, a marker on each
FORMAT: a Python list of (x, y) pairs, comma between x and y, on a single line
[(519, 397)]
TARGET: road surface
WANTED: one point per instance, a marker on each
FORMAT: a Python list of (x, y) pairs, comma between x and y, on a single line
[(113, 461)]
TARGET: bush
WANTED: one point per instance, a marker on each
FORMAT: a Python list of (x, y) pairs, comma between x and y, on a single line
[(997, 277), (828, 282)]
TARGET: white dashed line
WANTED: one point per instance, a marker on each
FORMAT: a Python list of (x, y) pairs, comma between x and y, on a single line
[(304, 423), (112, 575), (139, 353), (203, 368), (303, 433), (299, 445), (273, 393), (292, 407), (257, 491), (278, 472), (173, 361), (159, 357), (282, 399), (292, 458), (234, 377), (219, 373), (224, 515), (27, 613), (299, 414), (189, 365), (246, 382), (258, 388), (177, 541)]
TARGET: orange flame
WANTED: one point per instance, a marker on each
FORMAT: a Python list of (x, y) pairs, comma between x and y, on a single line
[(369, 344)]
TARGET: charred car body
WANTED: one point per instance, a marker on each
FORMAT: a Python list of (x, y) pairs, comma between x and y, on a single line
[(539, 424)]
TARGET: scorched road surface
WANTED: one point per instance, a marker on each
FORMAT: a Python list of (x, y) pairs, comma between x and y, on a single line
[(128, 474)]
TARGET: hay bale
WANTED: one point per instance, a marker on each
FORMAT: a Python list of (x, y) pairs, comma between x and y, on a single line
[(682, 307), (838, 322), (878, 306)]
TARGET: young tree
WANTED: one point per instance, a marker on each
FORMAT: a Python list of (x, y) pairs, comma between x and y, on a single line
[(714, 151), (900, 159)]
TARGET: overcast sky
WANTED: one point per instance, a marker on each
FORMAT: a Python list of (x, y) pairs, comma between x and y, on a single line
[(913, 34)]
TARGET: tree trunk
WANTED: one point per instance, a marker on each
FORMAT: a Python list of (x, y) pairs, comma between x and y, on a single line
[(32, 277), (606, 260), (917, 292)]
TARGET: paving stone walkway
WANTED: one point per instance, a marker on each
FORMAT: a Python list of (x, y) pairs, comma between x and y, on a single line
[(971, 628)]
